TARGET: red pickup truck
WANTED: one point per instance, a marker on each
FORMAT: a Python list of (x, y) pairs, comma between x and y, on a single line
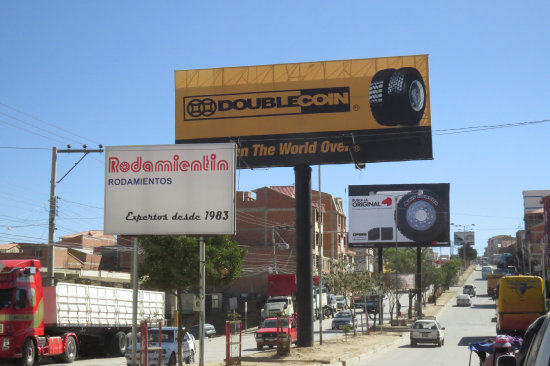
[(267, 333)]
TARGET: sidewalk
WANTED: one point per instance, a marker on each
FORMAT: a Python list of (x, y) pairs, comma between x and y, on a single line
[(350, 350)]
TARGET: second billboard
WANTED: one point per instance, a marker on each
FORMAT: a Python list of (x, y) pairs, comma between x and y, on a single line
[(404, 215)]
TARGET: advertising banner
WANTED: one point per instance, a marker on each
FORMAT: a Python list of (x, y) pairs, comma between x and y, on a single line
[(464, 238), (170, 189), (402, 215), (331, 112)]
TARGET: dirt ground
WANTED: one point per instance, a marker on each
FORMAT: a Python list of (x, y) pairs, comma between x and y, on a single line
[(349, 349)]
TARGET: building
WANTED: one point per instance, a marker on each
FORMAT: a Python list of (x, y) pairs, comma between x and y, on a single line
[(266, 226)]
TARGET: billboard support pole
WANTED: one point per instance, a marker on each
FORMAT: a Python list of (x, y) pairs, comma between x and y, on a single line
[(419, 281), (380, 301), (202, 298), (304, 263), (135, 288)]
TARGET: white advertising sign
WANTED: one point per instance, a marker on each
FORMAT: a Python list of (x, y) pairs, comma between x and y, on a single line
[(170, 189), (398, 215)]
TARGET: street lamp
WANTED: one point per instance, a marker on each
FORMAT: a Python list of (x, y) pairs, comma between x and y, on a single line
[(464, 241)]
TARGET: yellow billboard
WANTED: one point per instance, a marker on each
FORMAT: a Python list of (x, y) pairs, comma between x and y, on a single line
[(360, 110)]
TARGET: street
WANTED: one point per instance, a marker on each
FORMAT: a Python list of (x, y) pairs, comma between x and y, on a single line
[(463, 325)]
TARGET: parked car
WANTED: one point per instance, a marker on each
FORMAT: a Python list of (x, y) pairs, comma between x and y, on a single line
[(267, 333), (209, 330), (463, 300), (427, 331), (469, 289), (342, 319), (341, 302), (169, 347)]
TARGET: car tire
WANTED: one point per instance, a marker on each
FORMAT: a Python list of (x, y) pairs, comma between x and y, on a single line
[(407, 96), (191, 357), (421, 217), (259, 347), (413, 344), (378, 97), (439, 343), (172, 361)]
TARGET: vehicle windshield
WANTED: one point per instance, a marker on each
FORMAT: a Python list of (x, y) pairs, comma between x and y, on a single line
[(6, 296), (272, 323), (284, 301), (167, 336), (424, 325), (343, 315)]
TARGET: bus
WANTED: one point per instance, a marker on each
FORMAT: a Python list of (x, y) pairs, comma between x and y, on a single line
[(520, 300)]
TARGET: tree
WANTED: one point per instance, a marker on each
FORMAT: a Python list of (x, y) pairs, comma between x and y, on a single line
[(344, 280), (172, 264), (471, 253)]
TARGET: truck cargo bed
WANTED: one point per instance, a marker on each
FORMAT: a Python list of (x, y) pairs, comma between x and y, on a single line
[(70, 305)]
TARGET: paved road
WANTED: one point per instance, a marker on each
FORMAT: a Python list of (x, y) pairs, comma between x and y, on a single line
[(463, 325)]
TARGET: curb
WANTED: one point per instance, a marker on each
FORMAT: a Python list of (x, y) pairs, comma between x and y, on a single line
[(354, 360)]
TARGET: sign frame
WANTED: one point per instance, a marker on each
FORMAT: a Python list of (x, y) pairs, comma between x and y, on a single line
[(398, 215), (170, 189), (329, 112)]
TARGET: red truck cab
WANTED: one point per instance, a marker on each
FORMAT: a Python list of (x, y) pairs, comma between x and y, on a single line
[(271, 327), (22, 316)]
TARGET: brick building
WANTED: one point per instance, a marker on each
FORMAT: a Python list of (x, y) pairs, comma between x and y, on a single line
[(266, 226)]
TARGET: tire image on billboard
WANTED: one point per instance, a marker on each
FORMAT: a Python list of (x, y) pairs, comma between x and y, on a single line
[(397, 97), (421, 216)]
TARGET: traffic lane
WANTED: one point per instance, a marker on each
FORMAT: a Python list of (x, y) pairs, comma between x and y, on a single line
[(463, 325)]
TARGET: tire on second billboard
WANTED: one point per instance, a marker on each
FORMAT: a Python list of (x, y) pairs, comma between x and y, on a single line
[(398, 97), (421, 216)]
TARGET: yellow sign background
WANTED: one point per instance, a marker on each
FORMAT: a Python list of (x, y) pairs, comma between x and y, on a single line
[(255, 81)]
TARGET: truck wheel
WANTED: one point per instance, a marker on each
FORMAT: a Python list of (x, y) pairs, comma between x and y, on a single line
[(407, 96), (378, 97), (422, 216), (118, 344), (70, 352), (29, 353), (191, 357)]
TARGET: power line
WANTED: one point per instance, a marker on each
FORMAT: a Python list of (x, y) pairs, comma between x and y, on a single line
[(46, 123)]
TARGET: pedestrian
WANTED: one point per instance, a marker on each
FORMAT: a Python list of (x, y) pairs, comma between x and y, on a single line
[(501, 347), (398, 308)]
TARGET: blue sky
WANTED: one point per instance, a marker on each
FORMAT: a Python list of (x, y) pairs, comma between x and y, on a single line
[(102, 72)]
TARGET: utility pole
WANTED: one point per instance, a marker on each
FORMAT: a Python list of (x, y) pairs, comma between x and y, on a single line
[(464, 241), (53, 203), (321, 313)]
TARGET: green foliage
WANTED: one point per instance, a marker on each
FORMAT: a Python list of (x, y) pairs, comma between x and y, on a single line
[(343, 280), (471, 253), (173, 261), (449, 270)]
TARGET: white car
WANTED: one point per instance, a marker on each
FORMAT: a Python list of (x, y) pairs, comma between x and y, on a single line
[(169, 347), (427, 331), (463, 300)]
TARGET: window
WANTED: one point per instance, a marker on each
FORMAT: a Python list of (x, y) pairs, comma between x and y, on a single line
[(20, 298)]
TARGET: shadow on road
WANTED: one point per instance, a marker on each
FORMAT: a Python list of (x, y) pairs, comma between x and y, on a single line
[(483, 306)]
